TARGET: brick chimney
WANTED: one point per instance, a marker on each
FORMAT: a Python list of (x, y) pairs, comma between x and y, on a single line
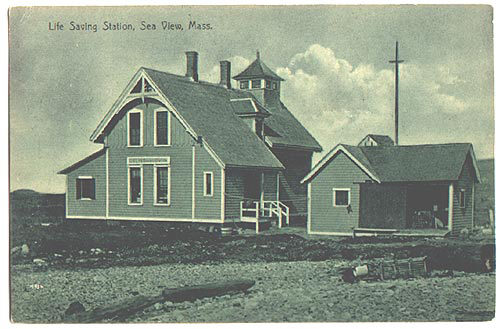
[(225, 74), (192, 65)]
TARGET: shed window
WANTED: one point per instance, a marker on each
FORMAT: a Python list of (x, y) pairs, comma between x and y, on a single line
[(85, 188), (161, 128), (462, 198), (135, 185), (244, 84), (256, 83), (134, 128), (341, 197), (208, 182), (162, 190)]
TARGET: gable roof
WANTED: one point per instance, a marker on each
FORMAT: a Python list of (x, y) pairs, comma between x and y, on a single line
[(382, 140), (83, 161), (282, 129), (411, 163), (257, 70), (205, 109)]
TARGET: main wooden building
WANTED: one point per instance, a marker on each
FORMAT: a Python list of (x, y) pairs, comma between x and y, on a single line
[(178, 149)]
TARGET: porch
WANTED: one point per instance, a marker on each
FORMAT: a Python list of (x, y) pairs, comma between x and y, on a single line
[(264, 212)]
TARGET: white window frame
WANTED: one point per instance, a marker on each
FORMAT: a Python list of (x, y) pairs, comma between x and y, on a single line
[(141, 144), (128, 185), (205, 173), (169, 133), (155, 188), (462, 191), (86, 178), (348, 190)]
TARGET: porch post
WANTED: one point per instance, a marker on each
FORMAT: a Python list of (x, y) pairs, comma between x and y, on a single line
[(450, 207)]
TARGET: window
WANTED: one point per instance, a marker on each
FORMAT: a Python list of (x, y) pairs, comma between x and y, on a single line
[(256, 84), (147, 87), (208, 184), (275, 85), (462, 198), (135, 186), (162, 186), (268, 84), (85, 188), (341, 197), (162, 134), (244, 84), (135, 128)]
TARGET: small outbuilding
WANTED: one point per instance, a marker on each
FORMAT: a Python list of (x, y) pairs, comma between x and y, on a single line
[(388, 188)]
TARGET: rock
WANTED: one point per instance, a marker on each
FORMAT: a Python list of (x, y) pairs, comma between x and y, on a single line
[(168, 304), (81, 252), (25, 250), (57, 255), (158, 306), (74, 307), (98, 251), (15, 250), (39, 261)]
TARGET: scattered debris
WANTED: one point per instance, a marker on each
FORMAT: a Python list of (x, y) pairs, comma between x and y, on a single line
[(388, 270)]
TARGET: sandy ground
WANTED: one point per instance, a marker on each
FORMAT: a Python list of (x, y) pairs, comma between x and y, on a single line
[(284, 291)]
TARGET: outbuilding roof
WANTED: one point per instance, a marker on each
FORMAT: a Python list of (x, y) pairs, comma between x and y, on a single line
[(382, 140), (408, 163)]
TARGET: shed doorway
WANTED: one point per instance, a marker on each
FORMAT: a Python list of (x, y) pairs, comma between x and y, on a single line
[(427, 207)]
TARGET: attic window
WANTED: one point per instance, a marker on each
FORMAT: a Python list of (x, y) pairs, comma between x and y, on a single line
[(135, 128), (275, 85), (138, 87), (256, 84), (268, 84), (244, 84), (147, 87)]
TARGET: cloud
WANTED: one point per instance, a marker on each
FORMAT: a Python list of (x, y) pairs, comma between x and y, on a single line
[(340, 102), (238, 64)]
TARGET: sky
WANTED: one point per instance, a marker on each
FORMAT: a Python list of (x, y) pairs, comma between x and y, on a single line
[(334, 59)]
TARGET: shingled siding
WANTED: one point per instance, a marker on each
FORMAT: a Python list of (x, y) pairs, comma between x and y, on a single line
[(292, 193), (181, 160), (207, 206), (462, 217), (95, 208), (234, 194), (340, 172), (270, 185)]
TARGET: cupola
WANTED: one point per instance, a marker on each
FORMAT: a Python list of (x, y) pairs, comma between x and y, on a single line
[(261, 81)]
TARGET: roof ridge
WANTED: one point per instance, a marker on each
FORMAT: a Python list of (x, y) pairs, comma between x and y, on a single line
[(199, 82)]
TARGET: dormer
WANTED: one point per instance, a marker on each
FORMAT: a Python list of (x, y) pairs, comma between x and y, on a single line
[(252, 113), (261, 81), (376, 140)]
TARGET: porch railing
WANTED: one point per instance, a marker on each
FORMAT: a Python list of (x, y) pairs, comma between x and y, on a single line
[(252, 211)]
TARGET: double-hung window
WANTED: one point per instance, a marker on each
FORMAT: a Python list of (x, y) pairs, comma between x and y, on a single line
[(135, 185), (162, 185), (135, 128), (85, 188), (162, 125)]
